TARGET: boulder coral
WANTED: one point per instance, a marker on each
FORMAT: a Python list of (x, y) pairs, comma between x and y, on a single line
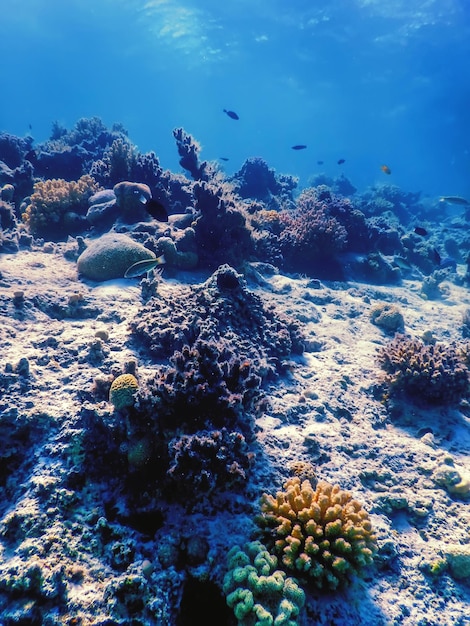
[(130, 198), (110, 256), (321, 534), (387, 317), (57, 206), (122, 390), (258, 592), (435, 373)]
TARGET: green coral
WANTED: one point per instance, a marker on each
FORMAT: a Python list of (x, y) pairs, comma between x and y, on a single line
[(122, 390), (323, 534), (55, 205), (258, 593), (110, 256)]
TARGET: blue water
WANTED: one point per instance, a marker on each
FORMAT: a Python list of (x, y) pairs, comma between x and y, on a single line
[(370, 81)]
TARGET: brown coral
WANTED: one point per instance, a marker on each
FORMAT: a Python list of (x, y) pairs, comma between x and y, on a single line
[(322, 534)]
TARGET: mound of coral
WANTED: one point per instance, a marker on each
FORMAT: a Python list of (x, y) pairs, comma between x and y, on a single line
[(321, 534), (428, 372)]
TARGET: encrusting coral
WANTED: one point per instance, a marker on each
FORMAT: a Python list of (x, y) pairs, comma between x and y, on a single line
[(258, 592), (57, 206), (322, 534), (435, 373)]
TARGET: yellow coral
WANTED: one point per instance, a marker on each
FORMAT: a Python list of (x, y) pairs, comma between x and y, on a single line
[(323, 533), (53, 199), (122, 390)]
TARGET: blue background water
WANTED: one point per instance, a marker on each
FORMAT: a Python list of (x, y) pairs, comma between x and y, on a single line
[(370, 81)]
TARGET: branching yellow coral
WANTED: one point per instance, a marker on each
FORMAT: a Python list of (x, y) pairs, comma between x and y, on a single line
[(54, 201), (322, 534)]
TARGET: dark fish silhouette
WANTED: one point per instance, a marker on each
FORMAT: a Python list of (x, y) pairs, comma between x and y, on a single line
[(341, 161), (385, 169), (299, 146), (156, 210), (419, 230), (320, 162), (223, 158), (231, 114)]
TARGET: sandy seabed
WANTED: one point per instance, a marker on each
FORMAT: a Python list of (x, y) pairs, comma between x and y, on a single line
[(59, 333)]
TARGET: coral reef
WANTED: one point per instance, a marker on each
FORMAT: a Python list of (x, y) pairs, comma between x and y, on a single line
[(321, 226), (57, 207), (322, 534), (221, 231), (257, 591), (13, 149), (122, 390), (256, 180), (222, 310), (209, 460), (110, 256), (434, 373), (206, 385), (189, 149)]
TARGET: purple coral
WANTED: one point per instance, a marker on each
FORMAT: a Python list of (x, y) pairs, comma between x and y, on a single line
[(209, 460), (433, 373), (204, 385), (258, 181), (222, 234)]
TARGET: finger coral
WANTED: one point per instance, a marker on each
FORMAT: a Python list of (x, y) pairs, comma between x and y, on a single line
[(434, 373), (56, 206), (258, 593), (322, 534)]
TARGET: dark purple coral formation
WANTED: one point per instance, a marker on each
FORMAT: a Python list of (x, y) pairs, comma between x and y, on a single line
[(256, 180), (208, 461), (189, 149), (428, 373), (205, 386), (322, 225), (221, 231), (222, 310)]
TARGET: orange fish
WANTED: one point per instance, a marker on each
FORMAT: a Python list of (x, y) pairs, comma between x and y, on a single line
[(385, 169)]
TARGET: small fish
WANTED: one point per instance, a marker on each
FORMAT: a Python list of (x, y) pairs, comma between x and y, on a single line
[(385, 169), (419, 230), (299, 146), (155, 209), (223, 158), (341, 161), (142, 267), (402, 263), (436, 256), (454, 200), (231, 114), (320, 162)]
